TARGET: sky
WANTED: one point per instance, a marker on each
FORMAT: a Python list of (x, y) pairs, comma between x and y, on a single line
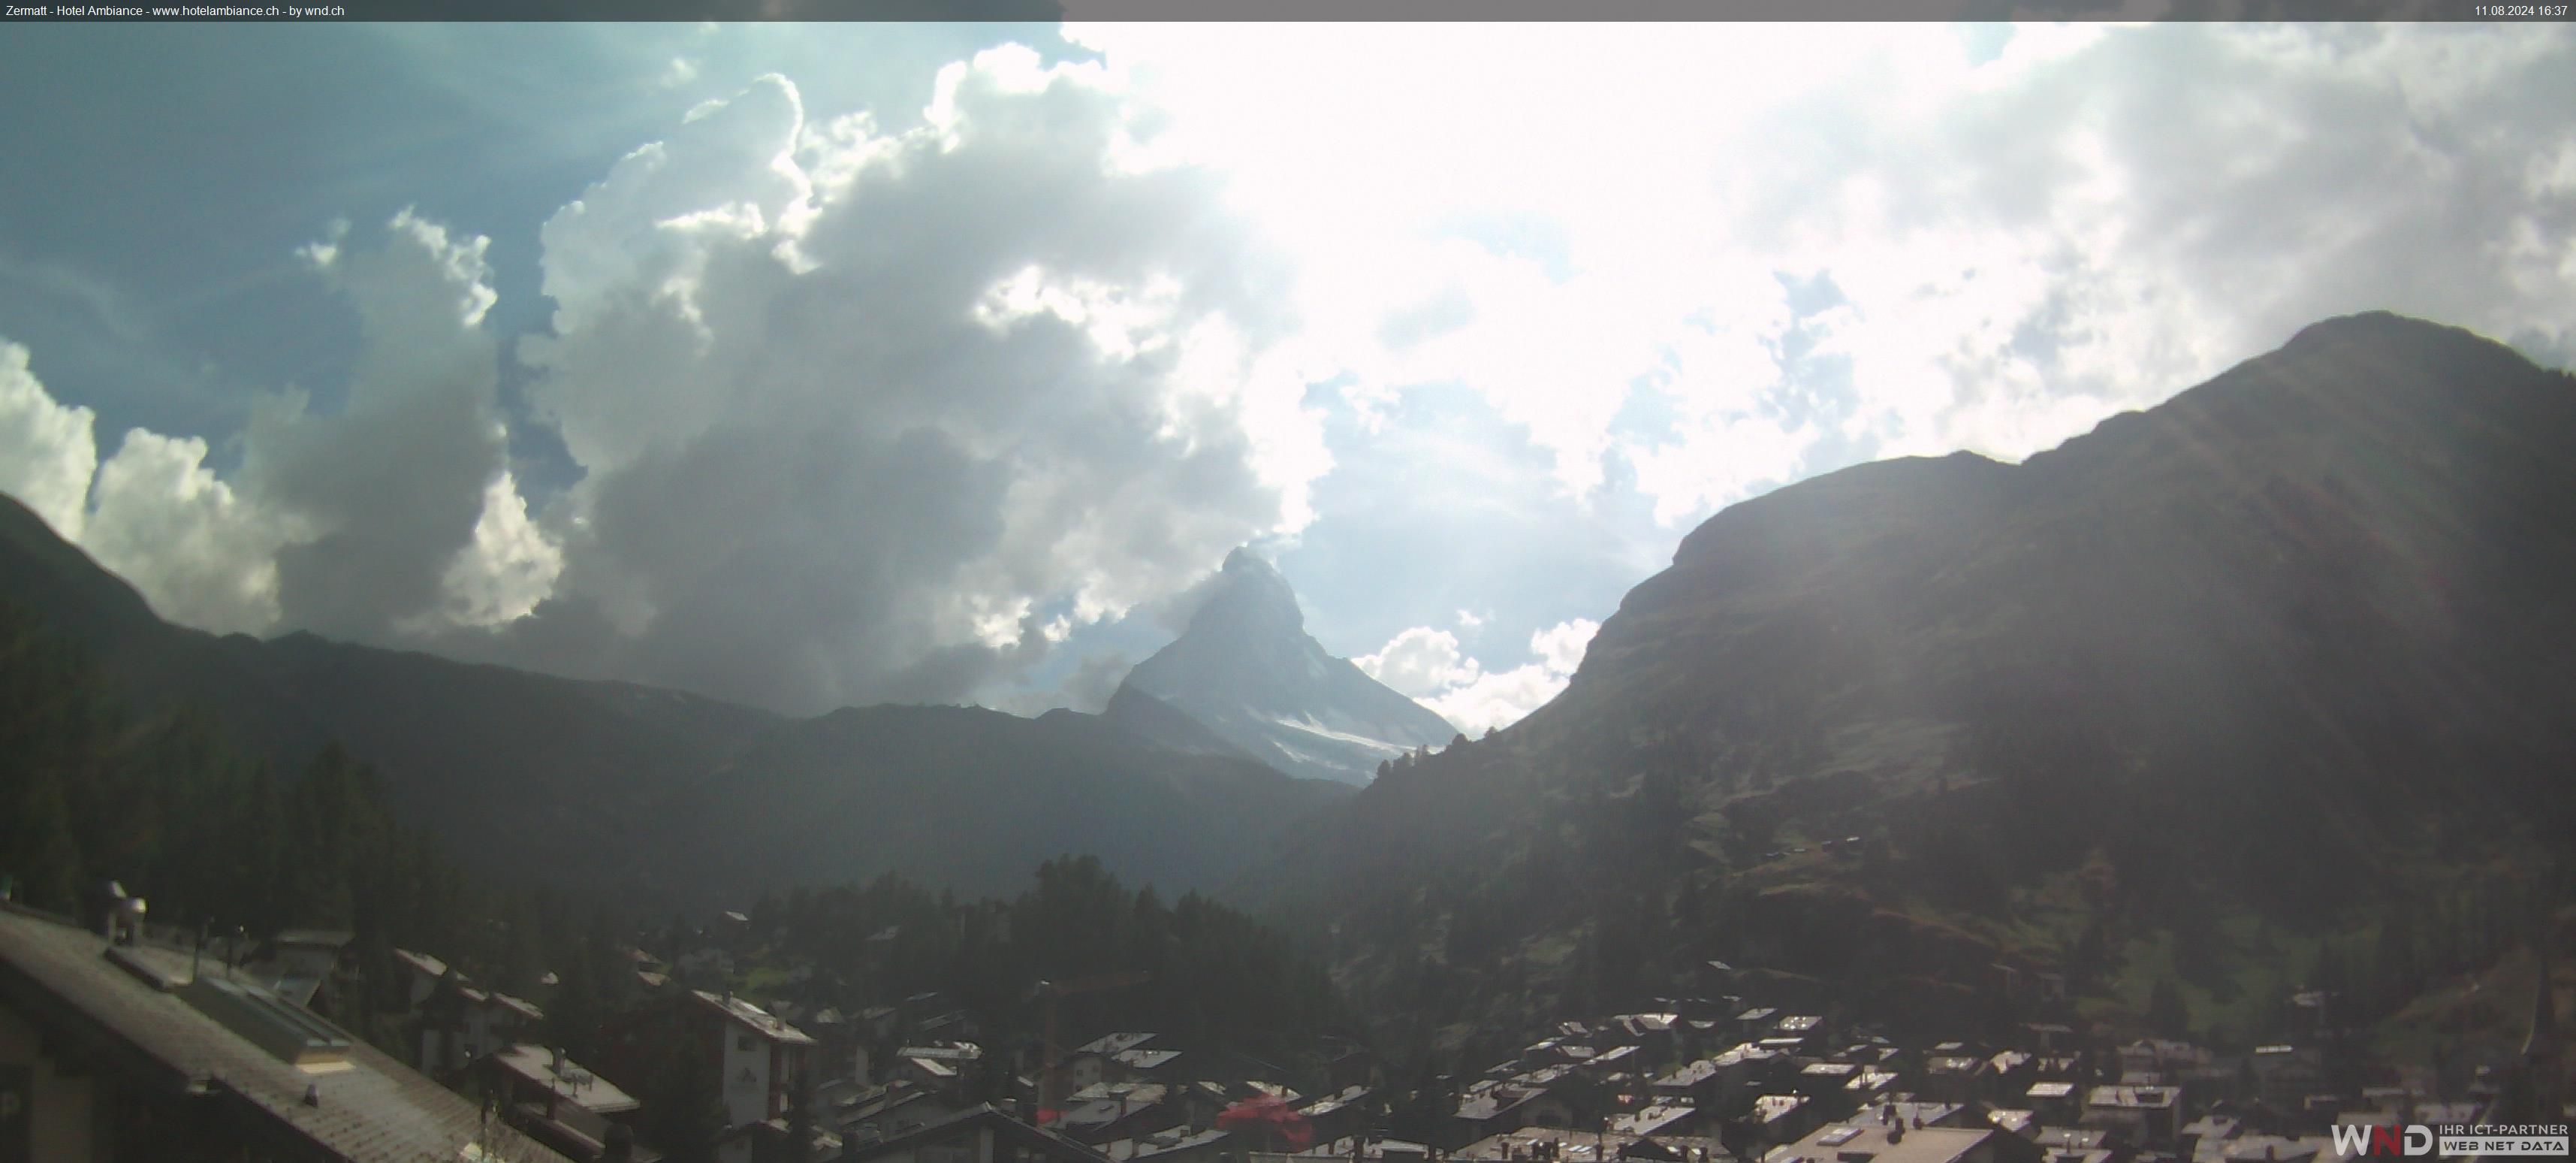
[(811, 366)]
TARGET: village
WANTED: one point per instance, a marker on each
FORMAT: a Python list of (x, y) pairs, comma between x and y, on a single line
[(1721, 1077)]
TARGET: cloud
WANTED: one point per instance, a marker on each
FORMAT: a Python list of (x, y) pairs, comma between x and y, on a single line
[(849, 412), (854, 416), (2021, 241), (1560, 647), (46, 450), (501, 575), (879, 417), (201, 554), (1425, 664), (390, 518), (152, 514), (1418, 662), (385, 496)]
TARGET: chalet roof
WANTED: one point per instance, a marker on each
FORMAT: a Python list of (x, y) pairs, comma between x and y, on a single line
[(523, 1008), (1926, 1145), (754, 1018), (1772, 1107), (1145, 1059), (421, 963), (2132, 1097), (583, 1088), (1651, 1119), (368, 1107), (315, 938), (1479, 1107), (944, 1052), (1164, 1143), (1110, 1044), (1335, 1101), (1871, 1078)]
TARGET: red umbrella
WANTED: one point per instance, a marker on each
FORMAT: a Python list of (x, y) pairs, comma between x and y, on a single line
[(1271, 1114)]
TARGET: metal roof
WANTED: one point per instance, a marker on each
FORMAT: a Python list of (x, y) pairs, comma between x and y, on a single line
[(368, 1107)]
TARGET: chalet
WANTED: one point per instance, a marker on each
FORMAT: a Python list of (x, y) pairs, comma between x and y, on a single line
[(1657, 1119), (1697, 1082), (304, 966), (1653, 1033), (1364, 1148), (557, 1102), (1870, 1085), (2065, 1142), (1096, 1061), (1864, 1141), (883, 1112), (1119, 1110), (2014, 1122), (2204, 1139), (760, 1059), (1955, 1077), (420, 976), (1156, 1065), (1340, 1114), (982, 1134), (2147, 1113), (1489, 1109), (1177, 1145), (942, 1066), (1614, 1060), (118, 1051), (1914, 1112), (2053, 1102), (1779, 1119), (459, 1023)]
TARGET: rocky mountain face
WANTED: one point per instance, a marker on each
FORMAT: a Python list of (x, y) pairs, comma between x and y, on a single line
[(672, 796), (2279, 660), (1245, 676)]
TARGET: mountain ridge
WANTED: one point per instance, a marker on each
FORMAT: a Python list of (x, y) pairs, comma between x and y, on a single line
[(2293, 620), (604, 784)]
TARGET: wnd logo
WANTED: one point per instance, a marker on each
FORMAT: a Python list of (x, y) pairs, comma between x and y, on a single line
[(2353, 1139)]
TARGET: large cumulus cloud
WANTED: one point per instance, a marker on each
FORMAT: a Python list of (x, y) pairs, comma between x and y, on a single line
[(849, 414), (877, 417), (46, 451), (854, 416), (1427, 665), (378, 519)]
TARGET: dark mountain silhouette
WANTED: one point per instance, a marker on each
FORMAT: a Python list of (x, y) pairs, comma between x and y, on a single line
[(2286, 650), (1245, 678), (673, 795)]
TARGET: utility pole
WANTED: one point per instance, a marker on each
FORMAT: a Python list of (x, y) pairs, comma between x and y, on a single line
[(1050, 1075)]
